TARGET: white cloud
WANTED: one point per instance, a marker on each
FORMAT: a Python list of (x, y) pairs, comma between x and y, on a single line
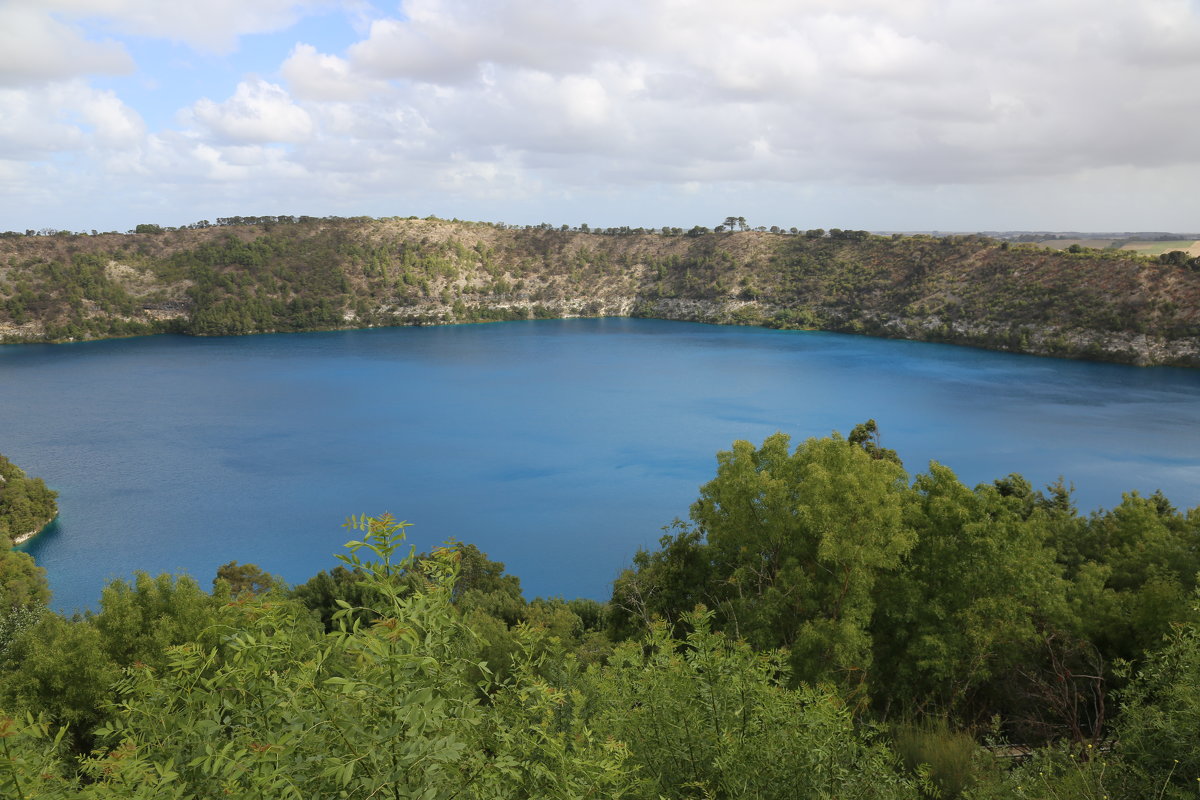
[(318, 76), (927, 92), (258, 112), (31, 130), (114, 124), (238, 163), (498, 179), (64, 117), (36, 47), (693, 99)]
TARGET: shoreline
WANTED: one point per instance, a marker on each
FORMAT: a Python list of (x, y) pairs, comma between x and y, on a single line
[(25, 537), (1047, 341)]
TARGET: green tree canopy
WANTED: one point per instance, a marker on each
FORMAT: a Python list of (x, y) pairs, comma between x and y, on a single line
[(973, 596), (26, 504)]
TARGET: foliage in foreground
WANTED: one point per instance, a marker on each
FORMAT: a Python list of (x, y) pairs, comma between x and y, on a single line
[(823, 628), (924, 598), (278, 708)]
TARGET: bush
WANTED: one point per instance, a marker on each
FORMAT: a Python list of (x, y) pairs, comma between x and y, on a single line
[(948, 755)]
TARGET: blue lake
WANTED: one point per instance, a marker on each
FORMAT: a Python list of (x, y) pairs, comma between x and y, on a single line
[(558, 447)]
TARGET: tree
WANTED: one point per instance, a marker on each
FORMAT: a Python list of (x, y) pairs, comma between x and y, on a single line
[(139, 621), (22, 582), (245, 579), (321, 593), (57, 668), (965, 606), (26, 504), (704, 716), (866, 436), (23, 596), (1175, 258), (1134, 570), (799, 539), (666, 584), (483, 584), (1160, 722)]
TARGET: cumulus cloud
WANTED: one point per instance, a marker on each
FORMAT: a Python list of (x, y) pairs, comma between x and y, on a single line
[(258, 111), (929, 91), (446, 41), (113, 124), (64, 117), (36, 47), (681, 99), (319, 76), (239, 163), (31, 129)]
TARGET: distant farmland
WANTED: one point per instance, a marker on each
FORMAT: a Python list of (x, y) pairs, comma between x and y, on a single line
[(1099, 244), (1145, 248), (1191, 247)]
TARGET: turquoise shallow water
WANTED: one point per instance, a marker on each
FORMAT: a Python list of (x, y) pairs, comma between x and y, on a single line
[(558, 447)]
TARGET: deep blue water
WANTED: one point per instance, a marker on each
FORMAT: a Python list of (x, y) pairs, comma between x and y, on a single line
[(558, 447)]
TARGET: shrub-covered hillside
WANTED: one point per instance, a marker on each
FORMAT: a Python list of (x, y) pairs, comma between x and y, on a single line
[(283, 274), (26, 504)]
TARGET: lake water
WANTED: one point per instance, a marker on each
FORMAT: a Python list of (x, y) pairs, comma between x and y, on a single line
[(558, 447)]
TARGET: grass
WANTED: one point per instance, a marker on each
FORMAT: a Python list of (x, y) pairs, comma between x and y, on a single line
[(948, 754)]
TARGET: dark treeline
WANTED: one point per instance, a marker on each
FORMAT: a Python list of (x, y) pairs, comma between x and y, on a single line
[(824, 625)]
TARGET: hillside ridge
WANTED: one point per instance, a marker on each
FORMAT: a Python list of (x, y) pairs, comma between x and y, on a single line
[(258, 275)]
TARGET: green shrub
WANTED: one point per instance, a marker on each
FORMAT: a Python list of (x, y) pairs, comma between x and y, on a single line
[(948, 755)]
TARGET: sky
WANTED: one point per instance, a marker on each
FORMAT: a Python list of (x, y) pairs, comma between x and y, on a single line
[(952, 115)]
